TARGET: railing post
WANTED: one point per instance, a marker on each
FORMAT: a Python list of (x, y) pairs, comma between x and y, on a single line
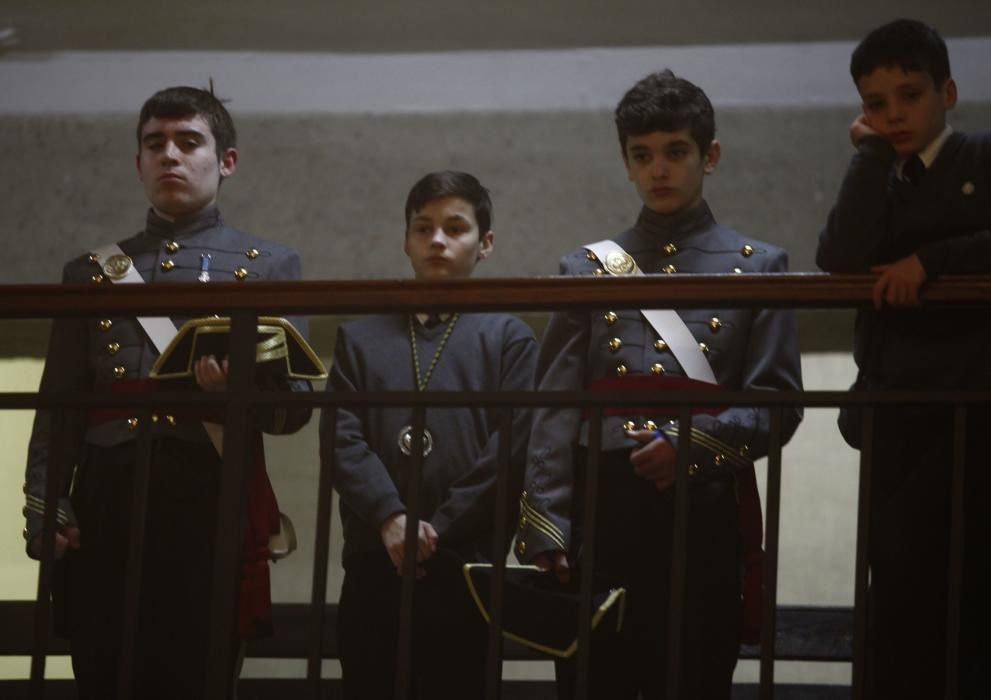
[(231, 507), (493, 663), (404, 660), (57, 467), (591, 496), (769, 600), (135, 553), (679, 553), (860, 597), (321, 553), (957, 518)]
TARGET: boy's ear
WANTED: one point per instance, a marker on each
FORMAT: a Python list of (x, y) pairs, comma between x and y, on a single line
[(949, 94), (712, 156), (486, 242), (228, 162)]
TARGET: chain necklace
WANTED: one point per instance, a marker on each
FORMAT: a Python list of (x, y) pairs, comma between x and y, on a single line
[(421, 384)]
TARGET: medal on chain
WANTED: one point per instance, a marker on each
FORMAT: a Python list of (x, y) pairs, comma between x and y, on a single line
[(405, 438)]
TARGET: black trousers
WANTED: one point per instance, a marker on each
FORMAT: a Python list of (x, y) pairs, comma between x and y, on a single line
[(449, 634), (634, 542), (910, 544), (172, 627)]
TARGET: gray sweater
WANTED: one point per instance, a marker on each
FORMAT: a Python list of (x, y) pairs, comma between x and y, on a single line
[(485, 352)]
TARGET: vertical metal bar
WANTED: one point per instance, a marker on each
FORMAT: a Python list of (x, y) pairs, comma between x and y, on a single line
[(957, 544), (404, 650), (770, 596), (859, 684), (679, 552), (231, 507), (321, 555), (57, 456), (588, 552), (135, 552), (493, 662)]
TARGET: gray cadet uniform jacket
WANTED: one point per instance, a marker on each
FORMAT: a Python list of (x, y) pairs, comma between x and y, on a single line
[(946, 220), (485, 352), (94, 354), (747, 349)]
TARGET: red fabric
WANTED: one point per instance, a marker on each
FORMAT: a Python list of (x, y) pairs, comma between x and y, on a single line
[(650, 384), (750, 516), (255, 599)]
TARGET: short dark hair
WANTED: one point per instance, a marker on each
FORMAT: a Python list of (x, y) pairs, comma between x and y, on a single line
[(451, 183), (905, 43), (185, 101), (664, 102)]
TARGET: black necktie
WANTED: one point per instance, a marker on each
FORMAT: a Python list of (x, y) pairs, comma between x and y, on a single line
[(913, 170)]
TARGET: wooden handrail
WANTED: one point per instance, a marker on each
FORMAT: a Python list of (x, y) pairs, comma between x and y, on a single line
[(800, 290)]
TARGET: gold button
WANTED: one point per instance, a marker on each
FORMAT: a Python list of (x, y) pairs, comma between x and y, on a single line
[(657, 369), (660, 345), (719, 459), (113, 348), (629, 425), (746, 251), (120, 372), (669, 269), (97, 278), (523, 522), (615, 344), (650, 425), (670, 249), (170, 420), (590, 255), (172, 247), (252, 253), (737, 270), (621, 370), (94, 258), (521, 548), (24, 533), (240, 273), (167, 265), (715, 324), (704, 348), (106, 324), (745, 450), (132, 423), (693, 469), (154, 417), (610, 317), (599, 271)]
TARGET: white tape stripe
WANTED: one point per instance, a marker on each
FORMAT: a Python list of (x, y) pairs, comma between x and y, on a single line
[(587, 79)]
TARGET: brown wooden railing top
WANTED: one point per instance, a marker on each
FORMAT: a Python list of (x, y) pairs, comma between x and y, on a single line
[(799, 290)]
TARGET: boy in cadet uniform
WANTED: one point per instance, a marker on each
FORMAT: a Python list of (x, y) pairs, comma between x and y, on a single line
[(186, 147), (914, 205), (666, 132), (448, 231)]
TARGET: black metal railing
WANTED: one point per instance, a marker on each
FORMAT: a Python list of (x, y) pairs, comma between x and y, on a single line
[(244, 303)]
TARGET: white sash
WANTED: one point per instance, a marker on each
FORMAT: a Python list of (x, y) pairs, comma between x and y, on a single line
[(665, 322)]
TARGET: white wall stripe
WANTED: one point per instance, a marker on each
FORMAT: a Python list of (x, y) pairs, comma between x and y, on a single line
[(781, 75)]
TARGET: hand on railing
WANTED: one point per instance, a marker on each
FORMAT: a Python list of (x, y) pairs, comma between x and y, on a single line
[(655, 459), (65, 538), (393, 533), (899, 283)]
